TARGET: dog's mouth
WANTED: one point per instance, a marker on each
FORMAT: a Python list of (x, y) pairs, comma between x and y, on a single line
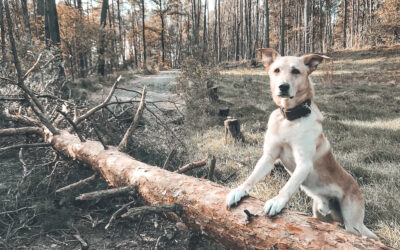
[(285, 95)]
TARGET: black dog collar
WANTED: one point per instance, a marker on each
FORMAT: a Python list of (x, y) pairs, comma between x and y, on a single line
[(301, 110)]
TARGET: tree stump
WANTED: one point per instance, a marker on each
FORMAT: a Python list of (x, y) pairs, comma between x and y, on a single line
[(232, 129)]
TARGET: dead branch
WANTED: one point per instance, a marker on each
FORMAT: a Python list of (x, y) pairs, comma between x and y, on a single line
[(168, 158), (116, 213), (75, 127), (33, 145), (20, 118), (152, 209), (128, 134), (33, 67), (166, 127), (106, 193), (96, 131), (101, 105), (78, 183), (191, 166), (84, 244), (20, 131), (130, 90)]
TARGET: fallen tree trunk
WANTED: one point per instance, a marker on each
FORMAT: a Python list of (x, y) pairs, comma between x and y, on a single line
[(203, 204)]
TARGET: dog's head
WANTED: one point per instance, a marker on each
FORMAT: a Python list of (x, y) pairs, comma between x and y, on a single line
[(289, 80)]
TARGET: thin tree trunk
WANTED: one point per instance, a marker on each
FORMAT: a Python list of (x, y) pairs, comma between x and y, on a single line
[(352, 25), (101, 49), (306, 26), (344, 23), (144, 36), (219, 32), (26, 19), (215, 30), (282, 27), (266, 24), (3, 35)]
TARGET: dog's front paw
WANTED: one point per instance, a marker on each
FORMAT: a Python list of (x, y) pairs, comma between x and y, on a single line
[(275, 205), (234, 197)]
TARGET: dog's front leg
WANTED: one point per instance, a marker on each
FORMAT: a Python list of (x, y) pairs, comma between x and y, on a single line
[(262, 168), (303, 167)]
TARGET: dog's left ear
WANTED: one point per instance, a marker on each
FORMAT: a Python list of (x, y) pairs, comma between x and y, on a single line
[(313, 60)]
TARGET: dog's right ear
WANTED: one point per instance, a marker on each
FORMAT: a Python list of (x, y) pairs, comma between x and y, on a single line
[(267, 56)]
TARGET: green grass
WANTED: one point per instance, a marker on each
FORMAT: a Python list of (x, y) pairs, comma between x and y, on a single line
[(359, 97)]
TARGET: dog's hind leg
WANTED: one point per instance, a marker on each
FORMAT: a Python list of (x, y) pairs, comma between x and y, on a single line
[(352, 208)]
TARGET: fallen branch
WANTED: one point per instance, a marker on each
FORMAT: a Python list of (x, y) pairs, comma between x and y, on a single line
[(203, 204), (78, 183), (84, 244), (22, 119), (20, 131), (116, 213), (191, 166), (32, 145), (168, 158), (128, 134), (106, 193), (100, 106), (152, 209), (73, 124)]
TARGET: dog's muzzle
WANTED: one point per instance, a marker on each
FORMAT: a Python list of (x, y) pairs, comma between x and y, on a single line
[(284, 90)]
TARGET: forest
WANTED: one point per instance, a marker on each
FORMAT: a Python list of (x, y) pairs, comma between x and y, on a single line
[(117, 117)]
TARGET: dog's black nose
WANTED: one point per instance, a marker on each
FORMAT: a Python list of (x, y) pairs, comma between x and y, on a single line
[(284, 87)]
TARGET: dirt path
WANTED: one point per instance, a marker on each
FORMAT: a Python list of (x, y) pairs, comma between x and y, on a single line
[(158, 89)]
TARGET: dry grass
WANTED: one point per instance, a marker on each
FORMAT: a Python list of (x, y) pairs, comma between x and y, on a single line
[(362, 122)]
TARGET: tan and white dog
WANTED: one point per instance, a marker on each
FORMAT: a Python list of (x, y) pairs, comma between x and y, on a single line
[(294, 136)]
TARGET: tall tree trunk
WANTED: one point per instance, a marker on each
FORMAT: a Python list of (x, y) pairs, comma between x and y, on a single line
[(249, 36), (215, 30), (352, 25), (312, 27), (3, 36), (306, 26), (344, 23), (219, 32), (257, 24), (101, 49), (26, 19), (162, 31), (52, 22), (238, 25), (266, 24), (282, 27), (321, 47), (205, 26), (144, 36)]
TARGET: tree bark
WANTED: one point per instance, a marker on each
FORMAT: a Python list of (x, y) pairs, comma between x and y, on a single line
[(282, 27), (3, 35), (144, 36), (306, 26), (101, 49), (203, 204), (344, 23), (26, 19), (52, 22), (266, 24)]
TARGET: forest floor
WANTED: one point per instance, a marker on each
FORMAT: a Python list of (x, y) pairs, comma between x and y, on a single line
[(359, 94)]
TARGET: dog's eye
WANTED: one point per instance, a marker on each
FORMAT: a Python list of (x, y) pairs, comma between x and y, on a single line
[(277, 70), (295, 71)]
